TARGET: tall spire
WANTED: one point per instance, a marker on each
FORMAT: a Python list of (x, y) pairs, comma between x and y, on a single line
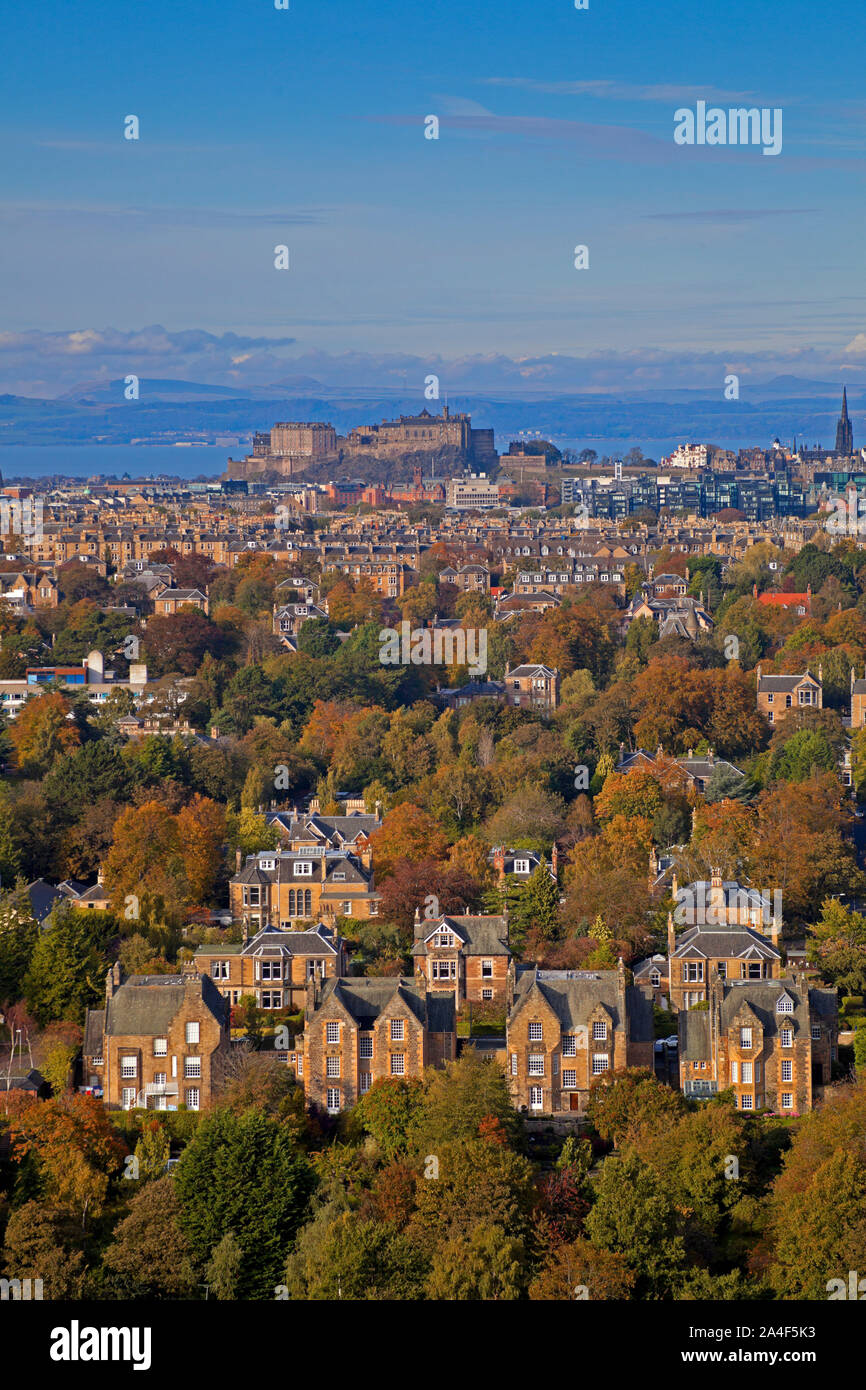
[(844, 430)]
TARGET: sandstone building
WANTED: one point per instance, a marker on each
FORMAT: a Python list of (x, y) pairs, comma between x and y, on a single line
[(275, 965), (566, 1028), (773, 1043), (159, 1043), (467, 956), (358, 1031)]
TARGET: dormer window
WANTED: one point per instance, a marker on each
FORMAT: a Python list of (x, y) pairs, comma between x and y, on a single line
[(268, 865), (521, 866), (746, 1038), (785, 1005), (303, 870)]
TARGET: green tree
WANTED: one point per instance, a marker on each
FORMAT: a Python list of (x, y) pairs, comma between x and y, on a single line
[(389, 1112), (836, 944), (533, 907), (634, 1216), (459, 1097), (18, 936), (224, 1267), (10, 847), (486, 1264), (342, 1256), (152, 1152), (243, 1173), (67, 969)]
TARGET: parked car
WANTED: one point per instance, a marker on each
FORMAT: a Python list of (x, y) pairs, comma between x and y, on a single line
[(672, 1042), (660, 1045)]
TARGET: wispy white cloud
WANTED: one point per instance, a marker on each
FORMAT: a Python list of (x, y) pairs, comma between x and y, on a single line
[(609, 90)]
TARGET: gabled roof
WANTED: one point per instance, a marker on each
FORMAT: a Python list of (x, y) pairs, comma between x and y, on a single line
[(720, 942), (478, 935), (574, 995), (367, 997)]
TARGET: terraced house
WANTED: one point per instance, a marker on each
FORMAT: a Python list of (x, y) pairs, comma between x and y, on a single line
[(773, 1044), (566, 1028), (275, 965), (159, 1043), (279, 888), (357, 1031)]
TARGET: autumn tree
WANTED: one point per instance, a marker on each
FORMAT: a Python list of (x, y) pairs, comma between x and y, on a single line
[(407, 832), (582, 1270), (149, 1256), (43, 731), (201, 829), (145, 872)]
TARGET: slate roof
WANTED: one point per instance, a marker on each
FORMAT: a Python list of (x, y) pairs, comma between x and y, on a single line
[(479, 936), (367, 997), (719, 941), (94, 1029), (783, 683), (693, 1027), (147, 1004), (574, 994)]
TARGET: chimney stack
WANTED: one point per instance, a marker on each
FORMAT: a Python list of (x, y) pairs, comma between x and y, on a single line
[(672, 936)]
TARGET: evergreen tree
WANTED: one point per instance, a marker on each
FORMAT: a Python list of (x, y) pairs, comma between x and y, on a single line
[(67, 968), (18, 936)]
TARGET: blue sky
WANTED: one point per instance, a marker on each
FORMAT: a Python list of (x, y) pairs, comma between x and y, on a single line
[(305, 127)]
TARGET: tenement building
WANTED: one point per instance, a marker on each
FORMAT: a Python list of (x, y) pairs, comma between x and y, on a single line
[(566, 1028), (357, 1031), (772, 1043)]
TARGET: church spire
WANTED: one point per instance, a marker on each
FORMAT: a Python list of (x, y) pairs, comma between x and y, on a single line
[(844, 430)]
